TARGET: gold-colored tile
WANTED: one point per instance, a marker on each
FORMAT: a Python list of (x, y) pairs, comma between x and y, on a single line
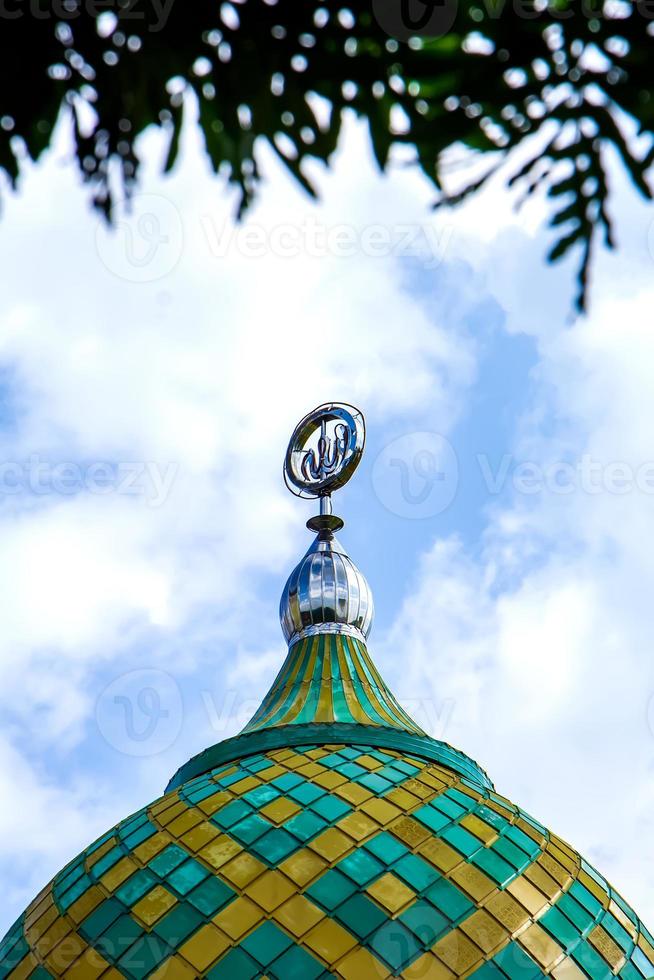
[(541, 946), (173, 969), (100, 852), (331, 844), (203, 948), (409, 831), (120, 872), (267, 775), (427, 967), (360, 964), (479, 828), (183, 823), (298, 915), (238, 917), (242, 869), (353, 793), (357, 825), (457, 952), (607, 947), (567, 969), (244, 785), (220, 851), (368, 762), (434, 782), (329, 940), (624, 920), (473, 881), (196, 838), (51, 937), (152, 846), (303, 866), (270, 890), (401, 798), (171, 813), (554, 868), (85, 904), (390, 892), (41, 925), (329, 780), (526, 828), (484, 930), (507, 911), (212, 804), (164, 803), (440, 854), (89, 966), (280, 810), (311, 769), (544, 882), (152, 906), (25, 968), (65, 953), (416, 788), (381, 810), (528, 895)]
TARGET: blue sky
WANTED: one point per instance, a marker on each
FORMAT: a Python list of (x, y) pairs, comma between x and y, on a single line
[(148, 387)]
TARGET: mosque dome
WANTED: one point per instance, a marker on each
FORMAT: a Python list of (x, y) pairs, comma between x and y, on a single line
[(331, 838)]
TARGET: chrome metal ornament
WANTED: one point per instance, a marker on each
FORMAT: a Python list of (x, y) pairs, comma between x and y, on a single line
[(325, 450)]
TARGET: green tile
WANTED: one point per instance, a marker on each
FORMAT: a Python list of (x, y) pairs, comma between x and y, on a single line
[(184, 878), (591, 962), (231, 814), (100, 919), (118, 937), (515, 856), (211, 896), (305, 825), (487, 972), (376, 784), (495, 866), (249, 830), (295, 964), (306, 793), (261, 795), (584, 897), (416, 872), (516, 964), (136, 887), (178, 924), (560, 927), (386, 847), (432, 818), (143, 957), (107, 861), (641, 962), (448, 806), (275, 846), (395, 945), (613, 927), (169, 859), (360, 916), (449, 900), (519, 837), (361, 867), (331, 889), (287, 782), (463, 841), (425, 922), (266, 943), (331, 808), (575, 912), (235, 965)]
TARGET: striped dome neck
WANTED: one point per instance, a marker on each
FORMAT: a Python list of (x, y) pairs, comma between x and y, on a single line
[(330, 678)]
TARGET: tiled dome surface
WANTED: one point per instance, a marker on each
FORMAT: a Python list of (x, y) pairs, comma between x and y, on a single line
[(349, 861)]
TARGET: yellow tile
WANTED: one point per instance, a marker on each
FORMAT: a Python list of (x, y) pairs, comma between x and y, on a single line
[(120, 872), (331, 844), (199, 836), (553, 868), (242, 869), (25, 968), (270, 890), (41, 925), (271, 773), (298, 915), (479, 828), (89, 966), (38, 908), (526, 828), (170, 799), (646, 948), (150, 908), (303, 866), (607, 947), (100, 852), (457, 952), (357, 825), (623, 919), (204, 947), (473, 881), (173, 969), (416, 788), (318, 753), (353, 793), (329, 940), (65, 953), (401, 798), (368, 762), (167, 816), (51, 937), (409, 830), (359, 964), (440, 854), (507, 911), (528, 896), (238, 918), (540, 878), (244, 785), (311, 769), (212, 804), (85, 905), (427, 967), (381, 811), (429, 779), (152, 846), (593, 887), (329, 780), (543, 949), (484, 930), (280, 810), (568, 970), (390, 892), (183, 822), (219, 851)]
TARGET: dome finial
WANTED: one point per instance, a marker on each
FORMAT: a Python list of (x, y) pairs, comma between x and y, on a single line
[(326, 592)]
